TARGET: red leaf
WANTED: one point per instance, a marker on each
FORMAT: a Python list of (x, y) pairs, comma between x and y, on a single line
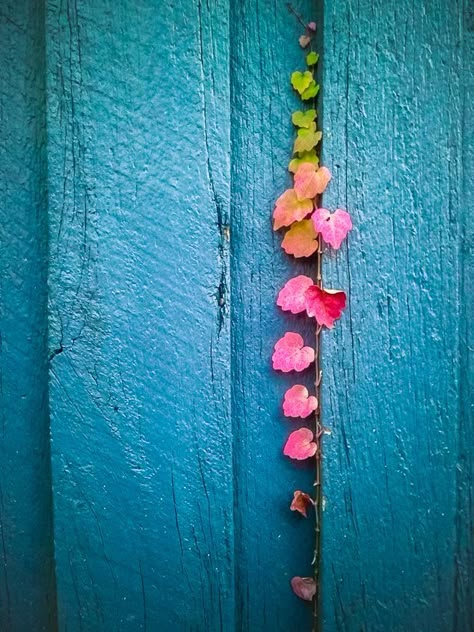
[(333, 228), (325, 305), (298, 402), (311, 181), (289, 208), (304, 587), (300, 445), (301, 501), (292, 296), (301, 240), (291, 354)]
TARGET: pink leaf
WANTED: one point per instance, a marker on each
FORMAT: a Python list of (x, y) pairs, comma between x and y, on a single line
[(312, 26), (291, 354), (298, 402), (301, 501), (291, 297), (301, 240), (304, 587), (333, 228), (325, 305), (289, 208), (300, 445), (311, 181)]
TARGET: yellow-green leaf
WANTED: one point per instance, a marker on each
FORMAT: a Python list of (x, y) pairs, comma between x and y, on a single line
[(305, 156), (310, 92), (312, 58), (307, 139), (303, 119), (301, 81)]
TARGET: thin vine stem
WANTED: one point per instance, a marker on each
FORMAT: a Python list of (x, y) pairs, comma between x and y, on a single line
[(319, 432)]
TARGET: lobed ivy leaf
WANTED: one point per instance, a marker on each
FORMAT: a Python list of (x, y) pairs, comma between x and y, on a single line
[(311, 91), (298, 402), (300, 445), (301, 240), (301, 502), (291, 355), (333, 228), (310, 181), (291, 297), (312, 58), (304, 156), (301, 81), (325, 305), (289, 208), (304, 587), (304, 40), (307, 139), (303, 119)]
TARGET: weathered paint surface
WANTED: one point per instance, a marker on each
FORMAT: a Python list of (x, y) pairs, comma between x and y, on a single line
[(138, 123), (398, 468), (168, 135), (27, 595)]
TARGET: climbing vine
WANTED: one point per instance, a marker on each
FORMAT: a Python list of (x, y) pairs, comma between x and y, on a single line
[(309, 230)]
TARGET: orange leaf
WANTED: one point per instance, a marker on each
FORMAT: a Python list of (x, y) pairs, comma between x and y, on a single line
[(301, 240), (289, 209), (310, 181)]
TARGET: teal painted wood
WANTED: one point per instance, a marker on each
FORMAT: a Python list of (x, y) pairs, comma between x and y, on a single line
[(171, 493), (26, 553), (272, 543), (139, 329), (397, 535)]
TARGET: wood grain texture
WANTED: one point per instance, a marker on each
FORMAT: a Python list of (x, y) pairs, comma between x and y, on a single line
[(26, 551), (397, 537), (168, 137), (139, 330), (272, 543)]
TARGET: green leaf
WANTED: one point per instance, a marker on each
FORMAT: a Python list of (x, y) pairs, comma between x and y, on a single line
[(305, 156), (311, 91), (303, 119), (301, 80), (312, 58), (307, 139)]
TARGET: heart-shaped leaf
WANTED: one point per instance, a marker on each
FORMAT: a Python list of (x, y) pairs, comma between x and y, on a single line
[(301, 502), (304, 41), (312, 58), (298, 402), (292, 296), (311, 181), (311, 91), (333, 227), (325, 305), (301, 240), (300, 445), (306, 139), (304, 587), (291, 355), (305, 156), (303, 119), (301, 80), (289, 208)]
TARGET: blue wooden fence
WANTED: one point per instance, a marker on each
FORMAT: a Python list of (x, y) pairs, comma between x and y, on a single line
[(142, 485)]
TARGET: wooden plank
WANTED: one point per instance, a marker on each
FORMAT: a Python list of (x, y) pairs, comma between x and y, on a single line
[(140, 397), (272, 543), (397, 467), (27, 599)]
